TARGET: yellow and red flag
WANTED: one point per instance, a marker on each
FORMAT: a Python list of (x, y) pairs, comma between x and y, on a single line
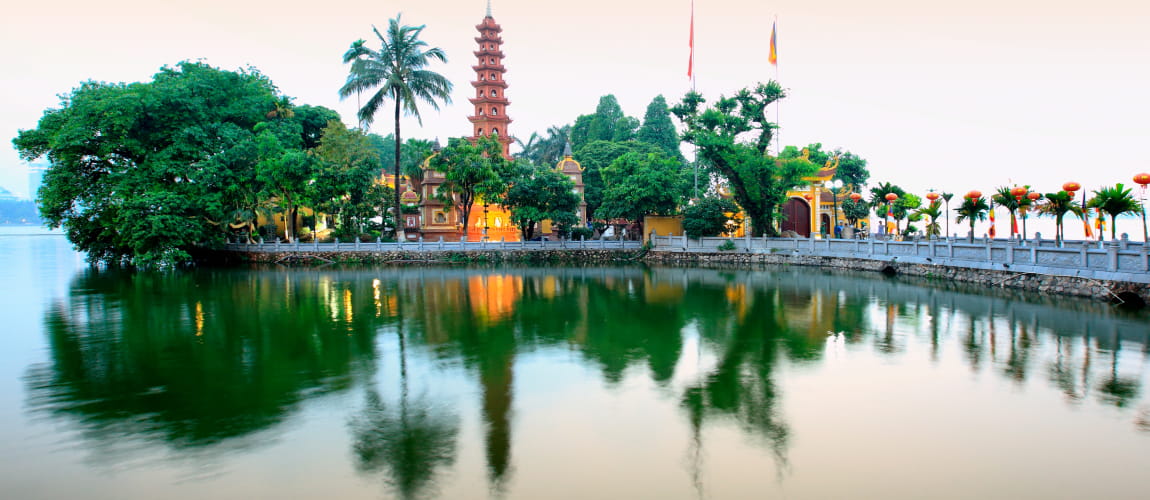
[(991, 221), (691, 43), (774, 55)]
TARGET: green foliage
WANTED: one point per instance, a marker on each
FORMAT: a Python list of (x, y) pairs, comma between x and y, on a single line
[(397, 71), (639, 184), (145, 172), (1057, 205), (546, 150), (581, 233), (733, 136), (855, 211), (1114, 201), (596, 156), (708, 216), (726, 246), (542, 194), (933, 211), (471, 172), (348, 169), (608, 123), (658, 129), (972, 211)]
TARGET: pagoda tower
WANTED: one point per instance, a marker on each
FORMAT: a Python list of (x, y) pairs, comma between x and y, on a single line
[(490, 100)]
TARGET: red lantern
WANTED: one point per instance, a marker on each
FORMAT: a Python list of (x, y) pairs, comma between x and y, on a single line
[(1071, 187), (809, 196), (891, 197), (1033, 196), (856, 197), (932, 196), (1142, 179), (974, 195)]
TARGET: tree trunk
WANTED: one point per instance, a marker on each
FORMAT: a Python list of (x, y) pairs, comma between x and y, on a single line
[(396, 215)]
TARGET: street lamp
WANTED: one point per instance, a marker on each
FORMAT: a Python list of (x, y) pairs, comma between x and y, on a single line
[(1033, 196), (890, 197), (1142, 180), (835, 185)]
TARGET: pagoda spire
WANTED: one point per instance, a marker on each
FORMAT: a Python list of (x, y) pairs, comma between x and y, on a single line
[(490, 100)]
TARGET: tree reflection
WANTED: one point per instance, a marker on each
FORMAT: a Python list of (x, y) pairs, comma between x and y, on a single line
[(191, 360)]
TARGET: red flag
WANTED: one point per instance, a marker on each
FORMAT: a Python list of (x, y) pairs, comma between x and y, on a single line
[(992, 220), (774, 55), (691, 43)]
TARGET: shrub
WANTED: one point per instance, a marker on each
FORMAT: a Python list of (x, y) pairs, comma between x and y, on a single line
[(582, 233), (708, 217), (727, 246)]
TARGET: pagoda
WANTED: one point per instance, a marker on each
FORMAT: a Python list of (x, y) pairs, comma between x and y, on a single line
[(490, 99)]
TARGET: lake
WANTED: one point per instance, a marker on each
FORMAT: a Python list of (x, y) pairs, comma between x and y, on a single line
[(559, 382)]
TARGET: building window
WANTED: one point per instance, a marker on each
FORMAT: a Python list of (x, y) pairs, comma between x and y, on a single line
[(493, 76), (440, 218), (494, 111), (480, 111), (480, 133), (494, 93), (495, 131)]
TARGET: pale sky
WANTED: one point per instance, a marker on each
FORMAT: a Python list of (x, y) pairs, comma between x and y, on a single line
[(954, 96)]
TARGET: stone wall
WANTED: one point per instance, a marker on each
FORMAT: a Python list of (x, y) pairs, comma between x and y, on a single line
[(1061, 285), (400, 257)]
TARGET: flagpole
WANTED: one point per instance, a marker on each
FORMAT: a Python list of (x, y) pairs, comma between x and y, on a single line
[(779, 102)]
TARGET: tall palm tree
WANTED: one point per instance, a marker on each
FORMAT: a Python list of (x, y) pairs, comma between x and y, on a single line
[(396, 71), (1114, 200), (1057, 205), (972, 210)]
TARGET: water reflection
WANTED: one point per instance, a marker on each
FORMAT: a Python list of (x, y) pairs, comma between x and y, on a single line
[(187, 361)]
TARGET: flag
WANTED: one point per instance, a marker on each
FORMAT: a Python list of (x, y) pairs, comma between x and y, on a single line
[(1100, 224), (1013, 225), (691, 43), (890, 224), (991, 221), (774, 56), (1086, 217)]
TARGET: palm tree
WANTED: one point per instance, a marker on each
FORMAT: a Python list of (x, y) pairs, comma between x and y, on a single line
[(972, 210), (1057, 205), (1004, 199), (946, 198), (1114, 201), (933, 211), (397, 72)]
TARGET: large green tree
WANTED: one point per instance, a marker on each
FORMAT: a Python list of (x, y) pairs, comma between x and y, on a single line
[(1114, 201), (542, 194), (1057, 205), (146, 172), (658, 129), (348, 167), (708, 216), (639, 184), (397, 71), (472, 172), (733, 136), (595, 157)]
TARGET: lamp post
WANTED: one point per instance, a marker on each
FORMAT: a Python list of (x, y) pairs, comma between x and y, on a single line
[(890, 197), (973, 196), (1018, 192), (1142, 180), (835, 185), (1033, 196), (1070, 187), (933, 197)]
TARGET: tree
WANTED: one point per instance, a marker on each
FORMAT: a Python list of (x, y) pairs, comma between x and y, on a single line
[(145, 173), (471, 172), (285, 173), (946, 199), (1057, 205), (733, 136), (972, 210), (909, 203), (708, 216), (639, 184), (546, 150), (595, 157), (852, 170), (854, 211), (349, 189), (658, 129), (399, 71), (933, 211), (1003, 198), (542, 194), (880, 205), (1114, 200)]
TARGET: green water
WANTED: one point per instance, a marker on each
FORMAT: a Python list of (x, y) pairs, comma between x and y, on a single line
[(605, 382)]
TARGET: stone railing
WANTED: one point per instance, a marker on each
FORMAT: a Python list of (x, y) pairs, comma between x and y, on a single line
[(434, 246), (1120, 260)]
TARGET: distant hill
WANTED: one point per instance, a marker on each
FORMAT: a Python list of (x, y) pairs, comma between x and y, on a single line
[(13, 211)]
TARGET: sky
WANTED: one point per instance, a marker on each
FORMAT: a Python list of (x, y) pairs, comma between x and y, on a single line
[(946, 95)]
